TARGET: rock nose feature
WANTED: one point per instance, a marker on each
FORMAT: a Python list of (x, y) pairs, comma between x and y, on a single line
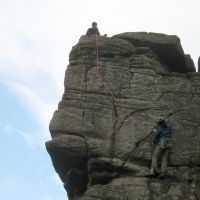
[(99, 147)]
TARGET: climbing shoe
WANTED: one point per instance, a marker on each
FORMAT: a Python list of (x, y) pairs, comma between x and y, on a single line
[(162, 176)]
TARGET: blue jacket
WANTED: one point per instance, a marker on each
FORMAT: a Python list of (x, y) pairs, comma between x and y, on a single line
[(163, 131)]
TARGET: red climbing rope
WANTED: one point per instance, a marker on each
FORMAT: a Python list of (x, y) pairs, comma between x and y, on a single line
[(99, 74)]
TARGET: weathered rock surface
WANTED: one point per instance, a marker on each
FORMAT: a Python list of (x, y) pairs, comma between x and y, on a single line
[(99, 148), (167, 47)]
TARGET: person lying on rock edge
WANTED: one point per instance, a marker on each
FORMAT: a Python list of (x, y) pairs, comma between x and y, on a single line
[(161, 137)]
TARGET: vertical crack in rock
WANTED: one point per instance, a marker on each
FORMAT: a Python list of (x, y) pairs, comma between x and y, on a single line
[(87, 147), (112, 140), (116, 120)]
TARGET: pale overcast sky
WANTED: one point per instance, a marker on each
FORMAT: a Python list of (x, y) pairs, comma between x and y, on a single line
[(36, 38)]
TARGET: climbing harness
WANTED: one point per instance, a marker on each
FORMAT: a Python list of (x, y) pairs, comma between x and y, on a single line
[(100, 76)]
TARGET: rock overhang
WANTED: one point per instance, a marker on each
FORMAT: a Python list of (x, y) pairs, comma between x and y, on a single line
[(167, 47)]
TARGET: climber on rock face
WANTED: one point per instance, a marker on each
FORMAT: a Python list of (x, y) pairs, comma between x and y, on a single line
[(161, 137), (93, 31)]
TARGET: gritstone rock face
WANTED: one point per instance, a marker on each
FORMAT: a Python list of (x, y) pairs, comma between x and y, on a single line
[(98, 148)]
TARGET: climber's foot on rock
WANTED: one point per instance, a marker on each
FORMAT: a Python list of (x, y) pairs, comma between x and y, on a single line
[(152, 175)]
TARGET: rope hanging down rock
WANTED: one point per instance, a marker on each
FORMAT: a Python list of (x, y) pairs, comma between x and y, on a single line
[(100, 76)]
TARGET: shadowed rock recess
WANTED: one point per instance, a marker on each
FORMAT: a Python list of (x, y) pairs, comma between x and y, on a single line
[(100, 149)]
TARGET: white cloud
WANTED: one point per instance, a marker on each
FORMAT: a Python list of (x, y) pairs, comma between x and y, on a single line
[(41, 109), (33, 140), (41, 112)]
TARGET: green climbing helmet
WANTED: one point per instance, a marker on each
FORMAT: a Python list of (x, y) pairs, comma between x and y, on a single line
[(160, 120)]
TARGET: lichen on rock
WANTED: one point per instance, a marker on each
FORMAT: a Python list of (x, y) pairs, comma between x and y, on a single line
[(98, 147)]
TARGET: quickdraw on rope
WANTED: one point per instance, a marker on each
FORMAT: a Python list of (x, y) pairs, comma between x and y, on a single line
[(99, 74)]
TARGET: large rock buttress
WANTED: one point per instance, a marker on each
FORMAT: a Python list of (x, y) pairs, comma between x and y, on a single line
[(98, 148)]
